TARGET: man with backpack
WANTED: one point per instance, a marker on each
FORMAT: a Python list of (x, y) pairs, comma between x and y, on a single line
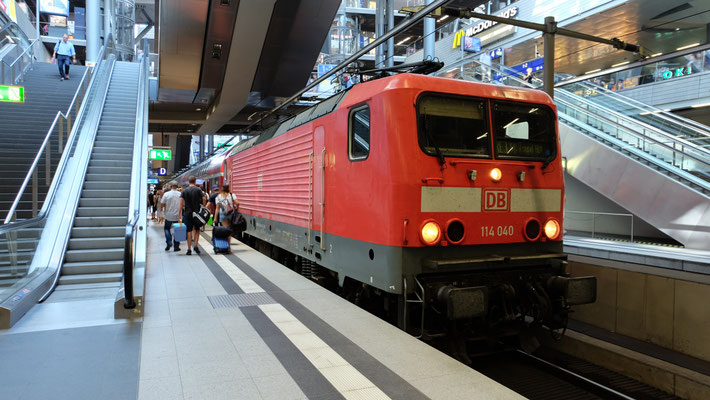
[(192, 199), (64, 50)]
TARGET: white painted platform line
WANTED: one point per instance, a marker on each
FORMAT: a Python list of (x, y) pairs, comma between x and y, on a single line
[(343, 376), (244, 281)]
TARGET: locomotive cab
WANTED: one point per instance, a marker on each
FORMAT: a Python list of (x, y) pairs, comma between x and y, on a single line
[(486, 243)]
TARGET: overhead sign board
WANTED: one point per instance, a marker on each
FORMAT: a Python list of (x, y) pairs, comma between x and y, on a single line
[(152, 181), (13, 94), (159, 154), (162, 172), (57, 7), (483, 26)]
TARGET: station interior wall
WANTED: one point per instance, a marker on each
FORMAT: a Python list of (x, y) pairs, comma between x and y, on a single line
[(661, 309), (581, 197), (673, 93)]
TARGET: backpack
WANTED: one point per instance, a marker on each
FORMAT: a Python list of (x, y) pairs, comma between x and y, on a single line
[(200, 218)]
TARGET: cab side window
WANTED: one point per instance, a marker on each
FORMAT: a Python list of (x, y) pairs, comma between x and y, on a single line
[(359, 133)]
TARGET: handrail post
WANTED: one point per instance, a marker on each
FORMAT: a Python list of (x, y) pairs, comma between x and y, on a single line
[(632, 228), (34, 193), (69, 122), (61, 137), (48, 152)]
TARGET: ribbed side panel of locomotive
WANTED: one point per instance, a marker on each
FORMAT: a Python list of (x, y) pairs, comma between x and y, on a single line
[(274, 182)]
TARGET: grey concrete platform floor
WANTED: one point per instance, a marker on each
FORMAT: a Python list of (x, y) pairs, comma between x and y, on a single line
[(245, 327)]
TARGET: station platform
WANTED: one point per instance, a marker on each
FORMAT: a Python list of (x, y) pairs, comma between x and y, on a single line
[(243, 326)]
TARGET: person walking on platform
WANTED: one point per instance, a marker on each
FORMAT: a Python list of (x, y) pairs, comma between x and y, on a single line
[(226, 205), (64, 50), (171, 210), (190, 200)]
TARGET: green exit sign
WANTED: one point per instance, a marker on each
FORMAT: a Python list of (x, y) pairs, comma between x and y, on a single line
[(14, 94), (160, 155)]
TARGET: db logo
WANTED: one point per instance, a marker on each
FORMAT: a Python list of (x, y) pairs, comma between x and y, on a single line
[(495, 200)]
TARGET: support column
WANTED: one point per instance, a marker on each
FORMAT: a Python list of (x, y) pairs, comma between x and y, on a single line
[(93, 27), (390, 25), (108, 12), (549, 52), (210, 143), (429, 39), (379, 31), (202, 147)]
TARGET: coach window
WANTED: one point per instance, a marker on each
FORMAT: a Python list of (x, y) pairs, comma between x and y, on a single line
[(524, 131), (359, 133)]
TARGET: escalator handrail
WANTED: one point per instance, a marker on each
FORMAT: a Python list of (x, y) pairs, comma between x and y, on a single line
[(32, 43), (139, 173), (647, 108), (513, 74), (59, 172)]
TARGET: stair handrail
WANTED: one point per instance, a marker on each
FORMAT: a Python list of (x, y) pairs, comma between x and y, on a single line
[(139, 174), (87, 82), (679, 172)]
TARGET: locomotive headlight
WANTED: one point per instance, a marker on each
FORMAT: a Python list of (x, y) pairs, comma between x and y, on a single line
[(496, 174), (431, 233), (552, 229)]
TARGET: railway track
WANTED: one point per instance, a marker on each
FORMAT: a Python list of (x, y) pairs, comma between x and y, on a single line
[(555, 376)]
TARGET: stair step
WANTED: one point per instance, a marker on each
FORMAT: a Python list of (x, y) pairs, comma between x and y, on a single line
[(96, 285), (88, 255), (101, 211), (92, 232), (92, 267), (93, 177), (108, 184), (96, 243), (100, 221), (111, 163), (90, 278), (108, 192), (104, 202), (109, 170)]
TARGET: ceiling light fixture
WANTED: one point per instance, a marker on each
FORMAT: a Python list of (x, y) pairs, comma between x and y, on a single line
[(401, 42), (198, 109), (688, 46), (700, 105), (538, 37), (593, 71), (656, 55), (443, 18), (620, 64)]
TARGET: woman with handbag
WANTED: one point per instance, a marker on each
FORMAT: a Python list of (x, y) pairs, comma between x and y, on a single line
[(226, 206)]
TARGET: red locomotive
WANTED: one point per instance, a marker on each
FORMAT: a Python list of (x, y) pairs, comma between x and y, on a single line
[(443, 198)]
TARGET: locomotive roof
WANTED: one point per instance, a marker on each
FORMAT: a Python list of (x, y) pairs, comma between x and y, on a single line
[(364, 91)]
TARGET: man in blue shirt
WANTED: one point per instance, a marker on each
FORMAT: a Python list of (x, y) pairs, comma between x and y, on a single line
[(62, 51)]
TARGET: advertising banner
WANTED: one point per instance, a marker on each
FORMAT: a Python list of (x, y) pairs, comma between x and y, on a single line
[(56, 7)]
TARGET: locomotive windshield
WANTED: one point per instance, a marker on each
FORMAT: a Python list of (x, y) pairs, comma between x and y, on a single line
[(458, 126), (523, 132), (453, 126)]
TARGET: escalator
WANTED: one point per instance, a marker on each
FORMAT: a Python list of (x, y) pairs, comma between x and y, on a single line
[(88, 240), (656, 168)]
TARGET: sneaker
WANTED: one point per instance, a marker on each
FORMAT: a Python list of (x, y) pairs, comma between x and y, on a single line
[(167, 247), (197, 250), (189, 252), (176, 249)]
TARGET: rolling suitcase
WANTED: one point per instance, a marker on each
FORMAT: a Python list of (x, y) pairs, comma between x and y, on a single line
[(180, 232), (221, 245)]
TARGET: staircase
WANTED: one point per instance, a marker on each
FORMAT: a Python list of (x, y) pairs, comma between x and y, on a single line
[(94, 256), (23, 128)]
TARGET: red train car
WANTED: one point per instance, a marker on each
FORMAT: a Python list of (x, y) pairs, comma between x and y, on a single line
[(446, 196), (209, 173)]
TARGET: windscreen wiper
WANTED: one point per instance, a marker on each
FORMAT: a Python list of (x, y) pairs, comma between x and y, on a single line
[(548, 160), (439, 155)]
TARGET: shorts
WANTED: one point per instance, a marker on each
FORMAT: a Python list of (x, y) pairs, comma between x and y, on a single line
[(187, 220), (224, 217)]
